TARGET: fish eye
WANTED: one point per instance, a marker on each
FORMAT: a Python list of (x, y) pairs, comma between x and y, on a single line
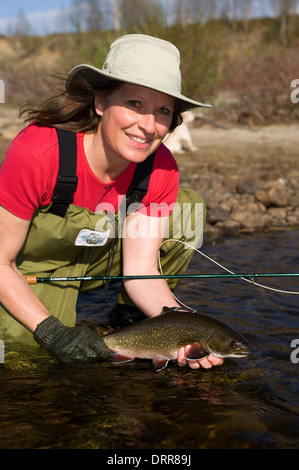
[(233, 344)]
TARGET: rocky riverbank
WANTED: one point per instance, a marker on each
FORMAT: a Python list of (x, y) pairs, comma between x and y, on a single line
[(249, 177)]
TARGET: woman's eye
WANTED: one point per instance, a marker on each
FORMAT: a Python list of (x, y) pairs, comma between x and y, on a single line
[(164, 111), (134, 103)]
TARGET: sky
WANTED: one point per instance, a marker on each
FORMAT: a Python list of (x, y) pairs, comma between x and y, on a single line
[(12, 8), (40, 14)]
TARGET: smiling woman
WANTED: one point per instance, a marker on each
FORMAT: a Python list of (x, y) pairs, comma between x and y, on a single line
[(64, 184)]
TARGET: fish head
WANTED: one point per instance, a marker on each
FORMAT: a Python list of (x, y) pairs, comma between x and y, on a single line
[(228, 344)]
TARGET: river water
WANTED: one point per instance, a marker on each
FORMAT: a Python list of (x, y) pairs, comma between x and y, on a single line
[(246, 403)]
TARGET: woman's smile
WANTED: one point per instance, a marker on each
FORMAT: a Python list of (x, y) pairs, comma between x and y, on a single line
[(139, 140)]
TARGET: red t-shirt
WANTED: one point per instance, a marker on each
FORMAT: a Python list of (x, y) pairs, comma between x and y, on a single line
[(29, 171)]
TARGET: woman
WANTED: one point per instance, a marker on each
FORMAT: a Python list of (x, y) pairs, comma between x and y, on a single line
[(64, 199)]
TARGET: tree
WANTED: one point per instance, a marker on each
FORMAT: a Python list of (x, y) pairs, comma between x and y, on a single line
[(142, 15), (22, 25), (77, 15), (94, 15), (287, 20), (86, 15), (116, 14), (246, 13)]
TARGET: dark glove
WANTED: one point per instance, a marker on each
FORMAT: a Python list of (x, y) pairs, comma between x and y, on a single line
[(70, 344)]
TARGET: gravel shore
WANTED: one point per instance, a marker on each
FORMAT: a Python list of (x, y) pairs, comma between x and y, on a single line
[(249, 177)]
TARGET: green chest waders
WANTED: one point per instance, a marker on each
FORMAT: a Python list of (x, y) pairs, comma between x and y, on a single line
[(66, 240)]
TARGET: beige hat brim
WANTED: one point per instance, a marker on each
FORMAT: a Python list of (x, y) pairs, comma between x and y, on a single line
[(95, 76)]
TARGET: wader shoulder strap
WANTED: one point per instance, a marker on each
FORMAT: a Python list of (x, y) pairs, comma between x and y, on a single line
[(67, 179), (140, 182)]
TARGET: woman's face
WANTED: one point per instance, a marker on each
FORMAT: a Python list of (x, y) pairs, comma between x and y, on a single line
[(134, 121)]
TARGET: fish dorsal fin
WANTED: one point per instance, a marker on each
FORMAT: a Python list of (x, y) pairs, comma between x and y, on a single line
[(196, 352), (171, 309), (174, 309)]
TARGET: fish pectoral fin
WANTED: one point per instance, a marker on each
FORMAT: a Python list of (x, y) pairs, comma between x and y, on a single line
[(196, 352), (118, 358), (160, 364)]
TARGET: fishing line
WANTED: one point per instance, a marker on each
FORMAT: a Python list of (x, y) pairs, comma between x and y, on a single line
[(251, 281)]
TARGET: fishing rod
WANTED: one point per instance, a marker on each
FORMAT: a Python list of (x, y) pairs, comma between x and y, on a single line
[(248, 277), (252, 276)]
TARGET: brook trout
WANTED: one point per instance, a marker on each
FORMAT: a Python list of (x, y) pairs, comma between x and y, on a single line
[(159, 338)]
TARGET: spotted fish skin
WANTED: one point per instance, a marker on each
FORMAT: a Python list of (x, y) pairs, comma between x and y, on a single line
[(159, 338)]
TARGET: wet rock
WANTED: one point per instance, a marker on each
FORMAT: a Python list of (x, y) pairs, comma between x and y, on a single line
[(233, 181), (293, 199), (229, 226), (278, 216), (245, 198), (217, 214), (228, 202), (293, 217), (212, 233), (252, 215), (247, 187), (273, 193)]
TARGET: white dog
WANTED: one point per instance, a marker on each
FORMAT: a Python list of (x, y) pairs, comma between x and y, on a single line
[(180, 139)]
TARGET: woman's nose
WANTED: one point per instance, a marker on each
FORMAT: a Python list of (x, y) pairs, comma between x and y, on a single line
[(148, 123)]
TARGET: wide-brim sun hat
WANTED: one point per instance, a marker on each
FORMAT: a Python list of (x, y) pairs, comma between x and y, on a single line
[(141, 60)]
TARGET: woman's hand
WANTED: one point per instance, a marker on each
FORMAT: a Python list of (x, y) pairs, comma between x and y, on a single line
[(71, 344), (206, 362)]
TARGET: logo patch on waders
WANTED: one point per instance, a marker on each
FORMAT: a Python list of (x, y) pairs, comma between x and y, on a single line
[(91, 238)]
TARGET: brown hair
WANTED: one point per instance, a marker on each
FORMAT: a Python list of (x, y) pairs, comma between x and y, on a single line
[(74, 109)]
